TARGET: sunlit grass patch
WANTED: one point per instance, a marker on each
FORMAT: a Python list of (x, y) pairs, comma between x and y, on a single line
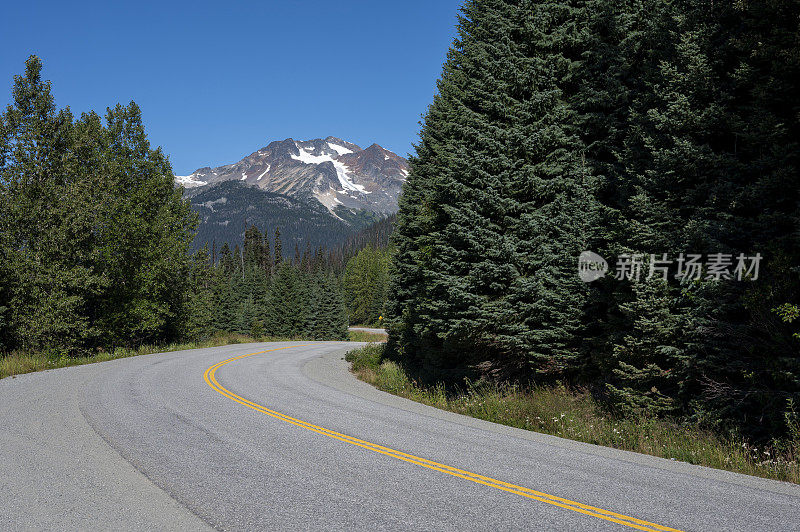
[(17, 362), (365, 336)]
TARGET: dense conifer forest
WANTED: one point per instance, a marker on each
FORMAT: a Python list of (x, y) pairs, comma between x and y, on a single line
[(257, 289), (659, 135)]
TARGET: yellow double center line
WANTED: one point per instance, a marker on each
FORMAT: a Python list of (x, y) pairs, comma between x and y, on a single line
[(607, 515)]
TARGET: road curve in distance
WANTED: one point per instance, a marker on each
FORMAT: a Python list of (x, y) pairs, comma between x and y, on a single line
[(367, 330)]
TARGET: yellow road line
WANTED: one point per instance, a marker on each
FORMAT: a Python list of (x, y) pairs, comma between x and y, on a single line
[(600, 513)]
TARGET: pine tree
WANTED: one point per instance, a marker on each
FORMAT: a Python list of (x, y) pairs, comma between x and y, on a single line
[(329, 320), (253, 248), (238, 261), (703, 153), (226, 303), (278, 250), (753, 206), (200, 323), (226, 259), (267, 264), (494, 213), (288, 303)]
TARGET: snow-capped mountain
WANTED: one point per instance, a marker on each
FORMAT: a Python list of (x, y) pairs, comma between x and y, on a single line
[(335, 172)]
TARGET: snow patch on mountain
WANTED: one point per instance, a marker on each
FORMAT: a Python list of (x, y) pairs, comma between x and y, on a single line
[(341, 170), (308, 158), (341, 150), (333, 171), (188, 181)]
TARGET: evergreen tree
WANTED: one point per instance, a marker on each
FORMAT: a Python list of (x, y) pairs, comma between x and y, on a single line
[(201, 307), (330, 313), (694, 166), (495, 211), (238, 261), (288, 303), (226, 259), (278, 250), (225, 303), (253, 248), (267, 264)]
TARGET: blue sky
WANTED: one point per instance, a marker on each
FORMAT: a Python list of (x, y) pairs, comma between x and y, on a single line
[(218, 80)]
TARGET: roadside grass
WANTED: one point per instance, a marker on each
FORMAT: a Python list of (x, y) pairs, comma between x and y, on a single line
[(364, 336), (17, 363), (572, 413)]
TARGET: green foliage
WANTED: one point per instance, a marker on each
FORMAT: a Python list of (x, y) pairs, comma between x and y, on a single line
[(788, 313), (364, 336), (329, 313), (648, 368), (366, 279), (290, 313), (246, 293), (497, 204), (95, 236), (95, 239), (367, 357), (641, 127)]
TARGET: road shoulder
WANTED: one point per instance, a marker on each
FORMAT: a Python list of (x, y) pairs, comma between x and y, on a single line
[(332, 370)]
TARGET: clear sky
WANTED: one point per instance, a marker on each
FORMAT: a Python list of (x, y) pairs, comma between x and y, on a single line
[(218, 80)]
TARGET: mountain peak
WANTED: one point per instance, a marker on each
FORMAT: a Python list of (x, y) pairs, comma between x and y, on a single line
[(332, 170)]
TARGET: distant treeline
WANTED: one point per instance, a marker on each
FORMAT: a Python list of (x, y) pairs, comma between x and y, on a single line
[(639, 131), (238, 283), (255, 290)]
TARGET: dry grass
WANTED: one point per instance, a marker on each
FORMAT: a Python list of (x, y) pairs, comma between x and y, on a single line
[(17, 363), (364, 336), (574, 414)]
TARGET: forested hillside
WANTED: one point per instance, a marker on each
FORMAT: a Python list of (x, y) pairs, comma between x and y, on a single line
[(662, 136), (227, 209), (260, 287)]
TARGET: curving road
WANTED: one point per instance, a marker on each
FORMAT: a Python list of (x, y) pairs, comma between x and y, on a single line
[(287, 438)]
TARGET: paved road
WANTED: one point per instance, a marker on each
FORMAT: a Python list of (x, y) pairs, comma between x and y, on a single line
[(367, 329), (186, 440)]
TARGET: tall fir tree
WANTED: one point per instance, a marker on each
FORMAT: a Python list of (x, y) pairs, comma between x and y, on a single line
[(495, 211), (278, 249)]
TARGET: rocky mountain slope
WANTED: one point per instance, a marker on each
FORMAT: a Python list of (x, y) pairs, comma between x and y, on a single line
[(337, 173), (225, 209)]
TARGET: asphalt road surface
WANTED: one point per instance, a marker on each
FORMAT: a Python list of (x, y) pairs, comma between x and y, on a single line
[(367, 329), (287, 439)]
